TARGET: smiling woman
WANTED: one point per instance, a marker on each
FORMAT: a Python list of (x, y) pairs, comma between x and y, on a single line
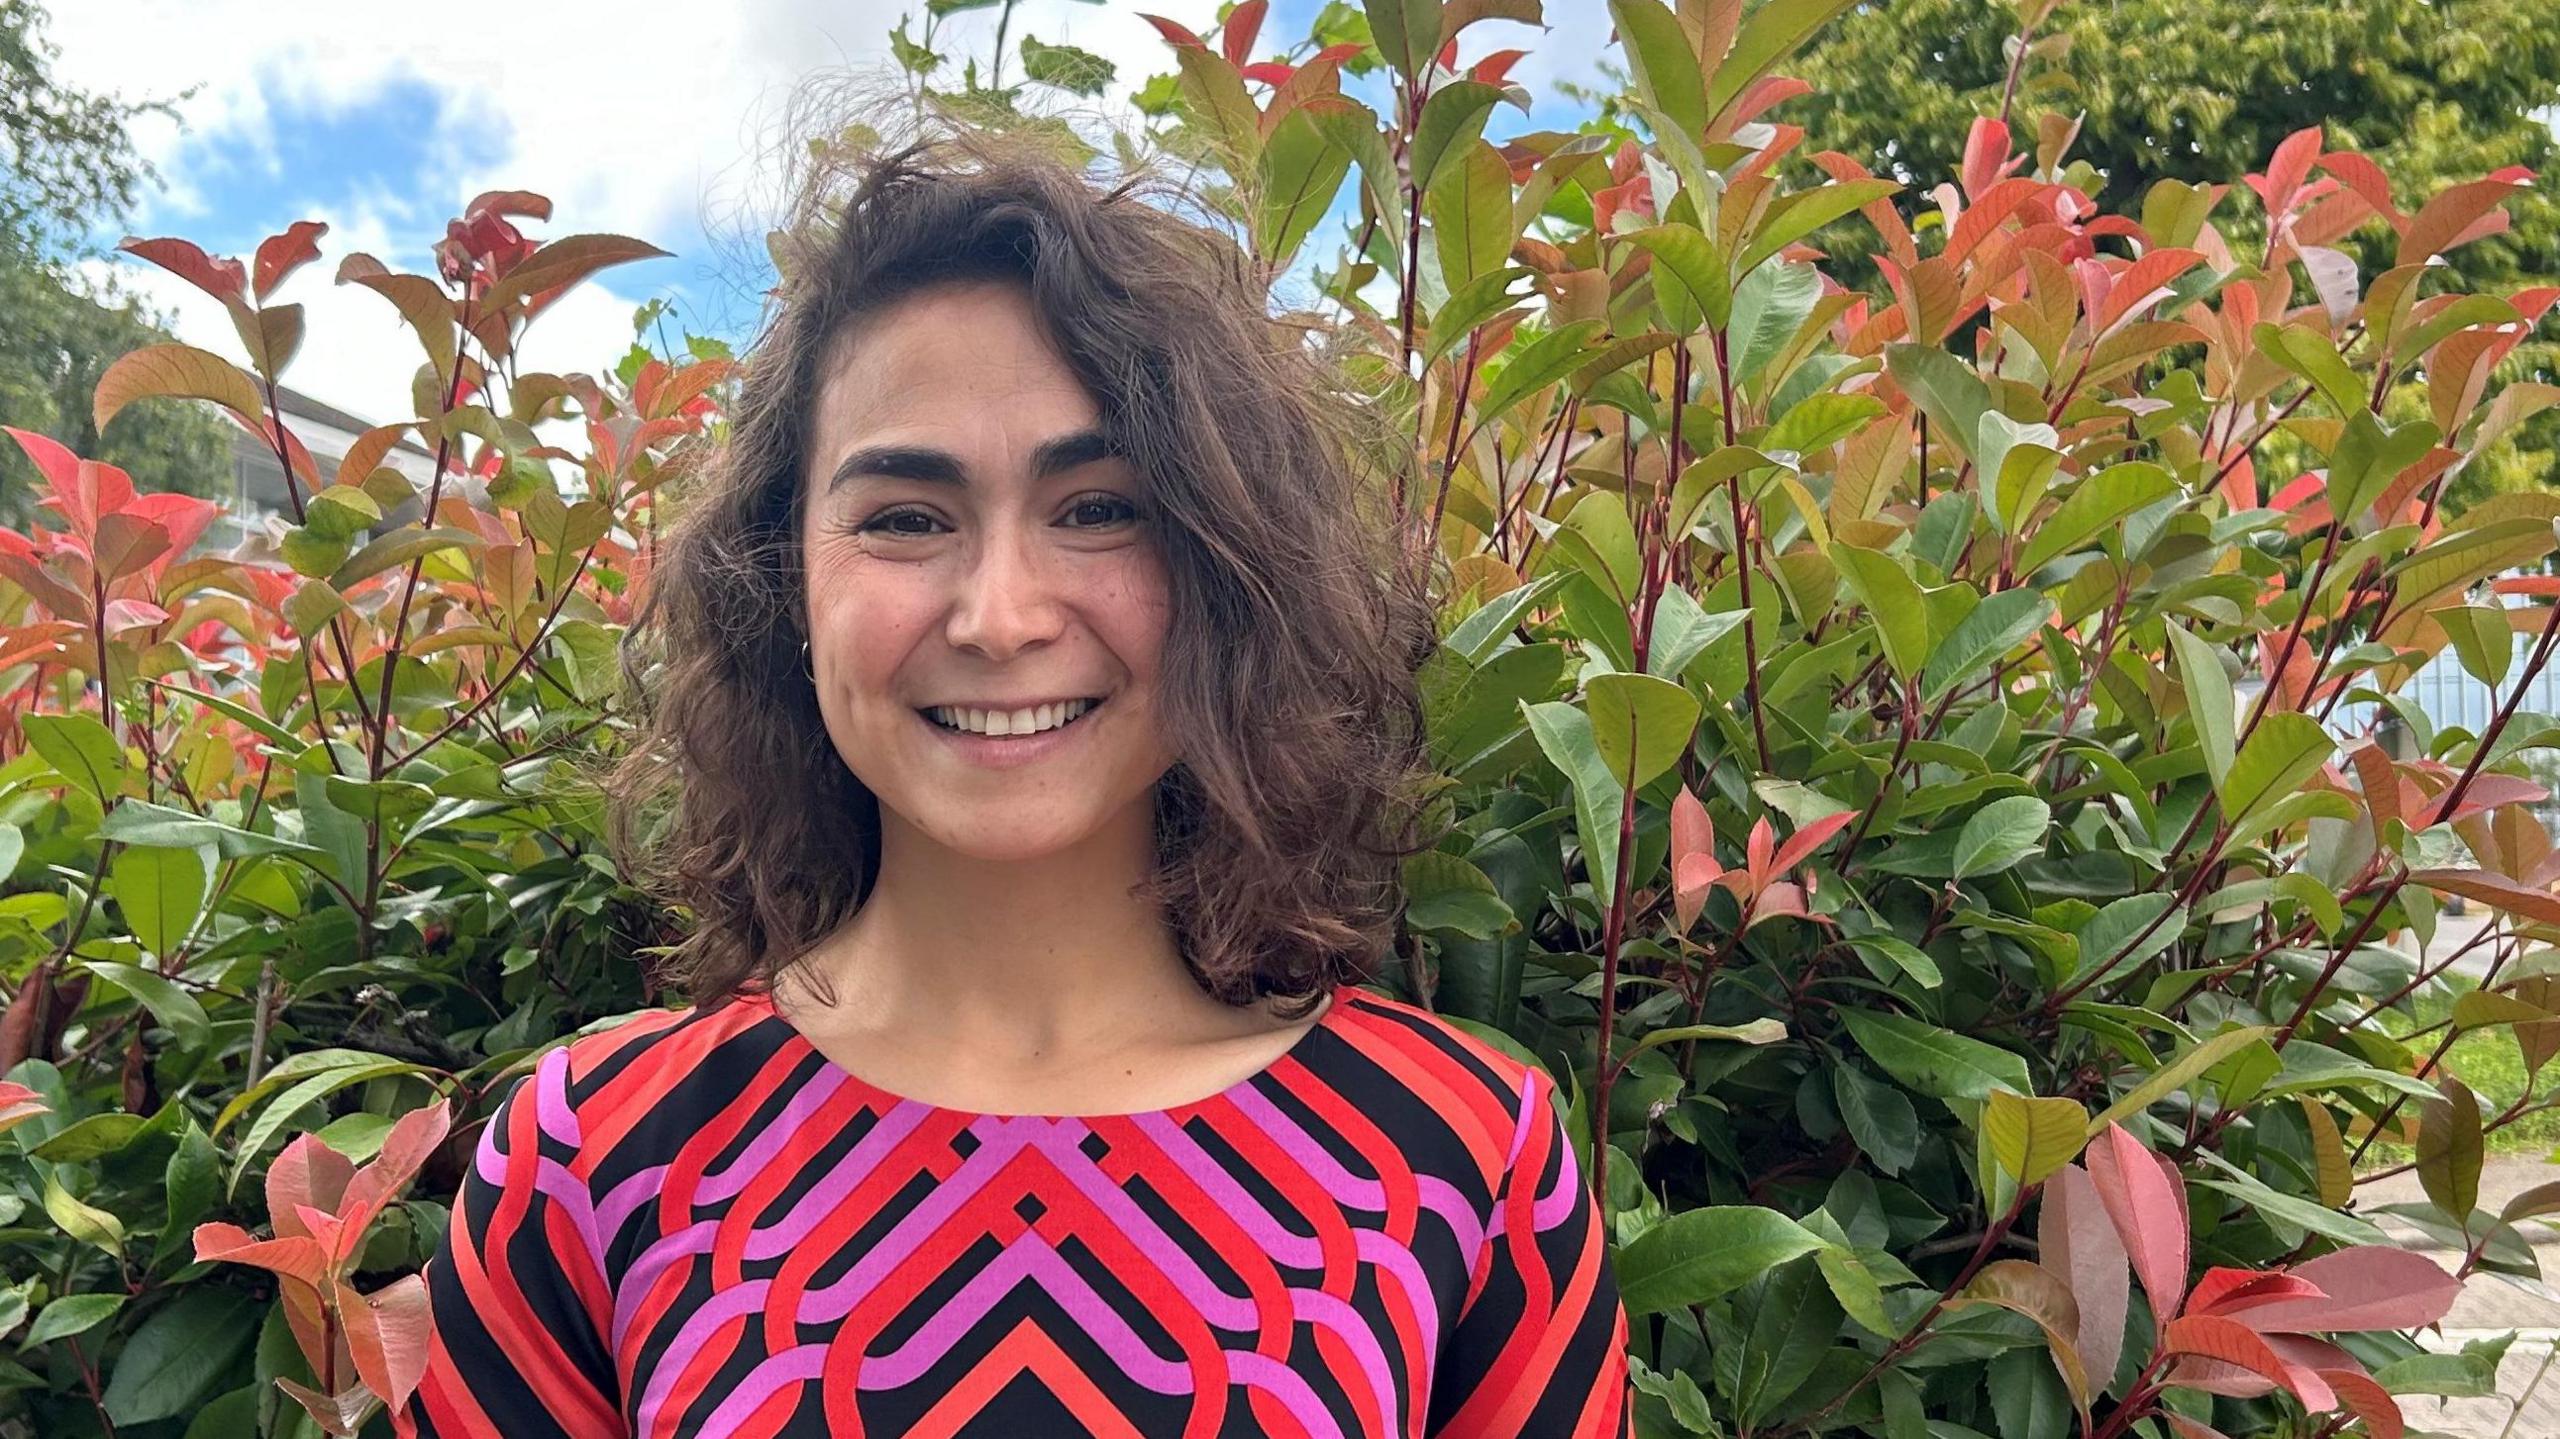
[(1031, 730)]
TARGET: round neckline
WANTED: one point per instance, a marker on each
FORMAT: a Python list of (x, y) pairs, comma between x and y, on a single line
[(1291, 1058)]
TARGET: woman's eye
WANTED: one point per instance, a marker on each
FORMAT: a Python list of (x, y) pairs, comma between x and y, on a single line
[(901, 524), (1098, 510)]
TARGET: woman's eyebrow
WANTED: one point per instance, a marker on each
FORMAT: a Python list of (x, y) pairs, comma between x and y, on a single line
[(901, 462), (940, 467)]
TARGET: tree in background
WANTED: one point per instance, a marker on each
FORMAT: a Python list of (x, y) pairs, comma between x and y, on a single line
[(67, 165), (2434, 91)]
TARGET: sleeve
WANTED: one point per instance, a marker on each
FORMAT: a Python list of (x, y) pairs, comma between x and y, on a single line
[(516, 1298), (1540, 1345)]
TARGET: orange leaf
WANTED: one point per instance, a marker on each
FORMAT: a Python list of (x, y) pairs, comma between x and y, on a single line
[(2210, 1336)]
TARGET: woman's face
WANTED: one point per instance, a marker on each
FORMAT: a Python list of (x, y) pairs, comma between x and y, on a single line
[(978, 578)]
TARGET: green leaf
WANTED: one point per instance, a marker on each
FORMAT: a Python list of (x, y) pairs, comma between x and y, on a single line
[(2000, 834), (1701, 1254), (1663, 64), (1696, 271), (1892, 598), (2170, 1077), (2285, 750), (161, 892), (1880, 1118), (91, 1138), (1806, 211), (179, 1353), (1533, 367), (1773, 32), (1934, 1061), (80, 1221), (70, 1315), (1452, 118), (1470, 209), (1641, 724), (1996, 626), (2450, 1149), (2209, 700), (2290, 1209), (1445, 891), (394, 548), (177, 1010), (2030, 1137), (1077, 71), (1407, 32), (2367, 458), (2095, 505), (2315, 359), (1301, 171), (80, 749), (1563, 732), (1945, 388), (139, 822)]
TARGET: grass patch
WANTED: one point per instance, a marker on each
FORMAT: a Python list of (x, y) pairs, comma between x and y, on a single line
[(2489, 1061)]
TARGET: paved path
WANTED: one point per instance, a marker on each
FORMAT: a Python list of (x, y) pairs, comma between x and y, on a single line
[(2490, 1305)]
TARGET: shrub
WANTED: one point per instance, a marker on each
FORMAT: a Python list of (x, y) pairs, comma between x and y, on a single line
[(1902, 760)]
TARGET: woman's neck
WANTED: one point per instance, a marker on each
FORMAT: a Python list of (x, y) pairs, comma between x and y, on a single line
[(1012, 961)]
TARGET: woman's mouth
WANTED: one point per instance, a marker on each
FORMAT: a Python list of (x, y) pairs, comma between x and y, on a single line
[(1013, 724)]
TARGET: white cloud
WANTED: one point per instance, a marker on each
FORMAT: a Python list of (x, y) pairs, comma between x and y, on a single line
[(648, 119)]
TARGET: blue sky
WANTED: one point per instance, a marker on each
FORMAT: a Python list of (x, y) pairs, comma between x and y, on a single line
[(383, 118)]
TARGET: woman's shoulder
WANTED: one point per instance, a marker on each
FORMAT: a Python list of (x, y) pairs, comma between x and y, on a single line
[(634, 1064), (1443, 1067)]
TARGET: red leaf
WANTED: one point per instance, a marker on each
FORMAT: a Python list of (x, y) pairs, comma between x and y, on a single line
[(1244, 23), (1760, 850), (2455, 216), (281, 255), (2366, 179), (225, 280), (18, 1103), (295, 1255), (126, 544), (2230, 1291), (185, 517), (307, 1174), (2149, 1209), (2211, 1337), (1274, 73), (2287, 169), (1173, 34), (50, 456), (387, 1331), (1986, 147), (2142, 281), (510, 202), (2368, 1401), (2076, 1242), (2496, 891), (413, 1137), (1809, 838), (2365, 1288), (1494, 68)]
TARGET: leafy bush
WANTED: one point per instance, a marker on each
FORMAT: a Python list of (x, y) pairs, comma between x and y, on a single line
[(1898, 769)]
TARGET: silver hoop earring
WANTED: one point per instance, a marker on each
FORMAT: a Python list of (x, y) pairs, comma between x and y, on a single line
[(805, 668)]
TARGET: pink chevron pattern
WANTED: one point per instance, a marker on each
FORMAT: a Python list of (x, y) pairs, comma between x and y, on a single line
[(695, 1224)]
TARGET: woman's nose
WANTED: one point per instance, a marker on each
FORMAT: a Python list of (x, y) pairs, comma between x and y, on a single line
[(1006, 597)]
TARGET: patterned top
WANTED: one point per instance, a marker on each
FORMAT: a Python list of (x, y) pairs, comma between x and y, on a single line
[(696, 1224)]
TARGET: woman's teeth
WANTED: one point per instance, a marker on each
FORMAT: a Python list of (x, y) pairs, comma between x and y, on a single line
[(1009, 723)]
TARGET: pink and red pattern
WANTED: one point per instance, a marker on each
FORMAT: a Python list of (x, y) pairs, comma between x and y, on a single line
[(695, 1224)]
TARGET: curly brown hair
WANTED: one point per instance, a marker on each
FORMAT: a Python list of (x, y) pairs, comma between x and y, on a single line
[(1299, 605)]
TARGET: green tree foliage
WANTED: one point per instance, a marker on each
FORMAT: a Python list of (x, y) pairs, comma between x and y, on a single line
[(2433, 91), (1895, 743), (67, 165)]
